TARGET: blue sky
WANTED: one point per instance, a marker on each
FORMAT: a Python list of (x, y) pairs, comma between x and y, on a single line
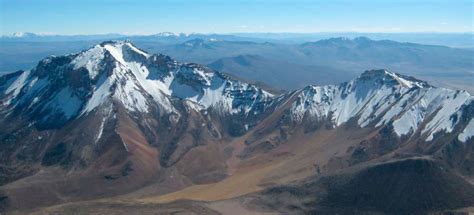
[(227, 16)]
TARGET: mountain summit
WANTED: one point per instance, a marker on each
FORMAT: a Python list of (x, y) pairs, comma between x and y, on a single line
[(380, 97), (62, 88), (113, 119)]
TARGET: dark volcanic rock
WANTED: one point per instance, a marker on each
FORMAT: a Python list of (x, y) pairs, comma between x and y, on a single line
[(400, 187)]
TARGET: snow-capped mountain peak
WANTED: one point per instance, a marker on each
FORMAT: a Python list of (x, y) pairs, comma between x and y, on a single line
[(379, 97), (385, 77), (166, 34), (65, 87), (22, 35), (121, 51)]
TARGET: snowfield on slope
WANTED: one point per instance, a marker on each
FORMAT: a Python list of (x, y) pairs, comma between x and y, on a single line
[(383, 97), (119, 71)]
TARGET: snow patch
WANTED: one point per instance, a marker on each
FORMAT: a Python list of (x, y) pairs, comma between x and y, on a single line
[(18, 84), (100, 94), (65, 102), (138, 50), (90, 60), (468, 132), (116, 52), (446, 103)]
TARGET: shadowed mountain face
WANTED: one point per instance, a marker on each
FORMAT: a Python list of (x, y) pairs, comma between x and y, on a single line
[(405, 186), (398, 187), (115, 121)]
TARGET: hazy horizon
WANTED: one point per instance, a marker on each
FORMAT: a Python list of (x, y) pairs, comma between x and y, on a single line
[(234, 33), (140, 17)]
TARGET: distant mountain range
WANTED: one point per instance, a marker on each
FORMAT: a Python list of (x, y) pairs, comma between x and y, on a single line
[(163, 37), (459, 40), (122, 128), (289, 66), (326, 61)]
